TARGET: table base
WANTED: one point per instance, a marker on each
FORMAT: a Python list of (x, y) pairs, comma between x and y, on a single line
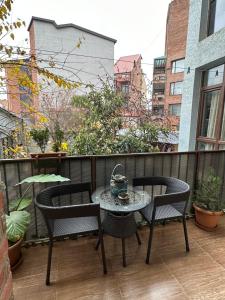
[(120, 226)]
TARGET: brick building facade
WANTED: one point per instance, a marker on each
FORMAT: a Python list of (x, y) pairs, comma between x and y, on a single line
[(19, 95), (175, 51), (129, 80)]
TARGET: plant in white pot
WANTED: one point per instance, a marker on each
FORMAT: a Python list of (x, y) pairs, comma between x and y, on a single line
[(208, 203)]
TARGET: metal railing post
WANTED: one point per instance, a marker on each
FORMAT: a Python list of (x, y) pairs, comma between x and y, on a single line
[(93, 173)]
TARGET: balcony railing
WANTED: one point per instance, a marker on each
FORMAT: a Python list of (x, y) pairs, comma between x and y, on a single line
[(188, 166)]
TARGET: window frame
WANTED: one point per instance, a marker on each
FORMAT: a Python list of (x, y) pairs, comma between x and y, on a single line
[(125, 85), (174, 61), (173, 104), (216, 142), (209, 18), (174, 82)]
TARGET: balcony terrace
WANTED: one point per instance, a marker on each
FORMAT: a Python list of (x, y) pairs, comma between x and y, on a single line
[(76, 267), (171, 275)]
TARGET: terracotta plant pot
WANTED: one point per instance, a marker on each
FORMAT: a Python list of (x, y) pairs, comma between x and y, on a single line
[(15, 255), (205, 219)]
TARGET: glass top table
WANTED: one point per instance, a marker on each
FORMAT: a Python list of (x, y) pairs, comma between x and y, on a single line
[(138, 199)]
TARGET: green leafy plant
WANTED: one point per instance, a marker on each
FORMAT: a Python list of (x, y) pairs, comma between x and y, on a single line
[(101, 130), (18, 219), (58, 137), (41, 137), (207, 195)]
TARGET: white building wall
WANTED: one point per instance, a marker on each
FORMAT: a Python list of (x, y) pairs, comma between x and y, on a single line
[(202, 53), (84, 64)]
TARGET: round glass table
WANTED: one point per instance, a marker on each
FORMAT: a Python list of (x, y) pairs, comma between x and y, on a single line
[(138, 199), (119, 220)]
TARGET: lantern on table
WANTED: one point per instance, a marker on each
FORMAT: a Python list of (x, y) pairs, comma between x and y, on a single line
[(118, 182)]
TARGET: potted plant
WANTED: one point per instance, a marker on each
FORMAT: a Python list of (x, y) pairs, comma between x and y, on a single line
[(57, 136), (41, 137), (17, 222), (208, 204)]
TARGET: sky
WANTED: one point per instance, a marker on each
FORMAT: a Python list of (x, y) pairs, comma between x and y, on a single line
[(138, 26)]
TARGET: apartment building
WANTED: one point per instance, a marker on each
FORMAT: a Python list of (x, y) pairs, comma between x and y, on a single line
[(19, 96), (129, 80), (202, 113), (175, 52)]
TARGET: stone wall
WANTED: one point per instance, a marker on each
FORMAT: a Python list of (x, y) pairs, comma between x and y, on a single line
[(5, 273)]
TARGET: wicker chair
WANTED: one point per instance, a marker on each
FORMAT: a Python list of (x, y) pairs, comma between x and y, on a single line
[(171, 205), (64, 221)]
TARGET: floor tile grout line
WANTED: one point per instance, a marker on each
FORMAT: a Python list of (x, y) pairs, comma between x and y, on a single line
[(203, 250), (174, 277)]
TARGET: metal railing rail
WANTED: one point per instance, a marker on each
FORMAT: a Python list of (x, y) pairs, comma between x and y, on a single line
[(188, 166)]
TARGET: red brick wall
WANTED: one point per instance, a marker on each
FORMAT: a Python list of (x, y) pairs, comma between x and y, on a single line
[(13, 92), (34, 71), (176, 36), (5, 273)]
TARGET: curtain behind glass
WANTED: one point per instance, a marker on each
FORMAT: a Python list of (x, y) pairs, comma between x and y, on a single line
[(211, 105)]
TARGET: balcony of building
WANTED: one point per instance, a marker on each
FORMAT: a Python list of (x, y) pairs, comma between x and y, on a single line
[(159, 65), (76, 265)]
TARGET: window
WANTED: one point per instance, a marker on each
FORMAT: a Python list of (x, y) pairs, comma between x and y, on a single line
[(216, 16), (211, 133), (178, 66), (210, 111), (158, 110), (176, 88), (125, 88), (174, 109), (160, 98), (214, 76)]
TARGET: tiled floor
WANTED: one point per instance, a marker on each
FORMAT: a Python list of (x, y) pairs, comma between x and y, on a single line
[(172, 274)]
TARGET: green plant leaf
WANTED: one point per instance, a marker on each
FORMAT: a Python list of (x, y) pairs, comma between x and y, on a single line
[(23, 203), (16, 225), (44, 178)]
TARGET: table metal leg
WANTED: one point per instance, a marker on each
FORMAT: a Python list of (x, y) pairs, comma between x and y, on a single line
[(138, 238), (97, 244), (124, 253)]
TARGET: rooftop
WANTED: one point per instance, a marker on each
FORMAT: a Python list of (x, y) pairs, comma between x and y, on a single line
[(125, 64), (62, 26)]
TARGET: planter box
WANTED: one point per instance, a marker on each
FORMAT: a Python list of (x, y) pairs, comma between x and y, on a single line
[(48, 155)]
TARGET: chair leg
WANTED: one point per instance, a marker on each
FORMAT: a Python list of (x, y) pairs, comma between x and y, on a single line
[(186, 235), (97, 244), (150, 242), (100, 241), (49, 262), (123, 252), (138, 238)]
